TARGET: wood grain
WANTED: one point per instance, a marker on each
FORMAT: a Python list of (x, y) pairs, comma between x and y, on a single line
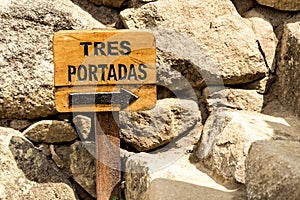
[(108, 156), (146, 100), (68, 52)]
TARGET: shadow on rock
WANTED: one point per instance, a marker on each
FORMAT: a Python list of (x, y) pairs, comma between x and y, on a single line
[(33, 163)]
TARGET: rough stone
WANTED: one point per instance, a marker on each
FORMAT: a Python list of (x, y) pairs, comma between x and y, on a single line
[(141, 167), (19, 125), (115, 3), (169, 119), (106, 15), (233, 98), (78, 163), (227, 137), (261, 86), (27, 28), (243, 6), (5, 122), (83, 125), (82, 167), (228, 39), (147, 183), (25, 173), (275, 17), (265, 38), (50, 131), (272, 170), (288, 71), (287, 5), (168, 189)]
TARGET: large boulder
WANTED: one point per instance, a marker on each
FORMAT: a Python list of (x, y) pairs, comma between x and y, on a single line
[(26, 61), (26, 173), (168, 120), (233, 98), (78, 163), (178, 180), (227, 136), (272, 170), (146, 171), (287, 5), (50, 131), (216, 27), (288, 71)]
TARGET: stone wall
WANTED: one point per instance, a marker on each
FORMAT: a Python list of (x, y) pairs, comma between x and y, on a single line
[(226, 116)]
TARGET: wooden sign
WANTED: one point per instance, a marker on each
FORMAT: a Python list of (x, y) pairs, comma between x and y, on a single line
[(104, 70)]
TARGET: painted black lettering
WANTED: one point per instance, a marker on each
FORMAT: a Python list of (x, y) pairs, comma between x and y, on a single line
[(125, 46), (132, 72), (112, 48), (112, 72), (99, 46), (142, 68), (82, 73), (71, 72), (92, 73), (102, 67), (122, 71), (86, 47)]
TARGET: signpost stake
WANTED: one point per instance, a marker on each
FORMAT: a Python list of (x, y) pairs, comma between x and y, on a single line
[(105, 71), (108, 161)]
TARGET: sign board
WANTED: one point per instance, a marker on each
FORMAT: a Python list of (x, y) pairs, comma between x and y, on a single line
[(104, 70)]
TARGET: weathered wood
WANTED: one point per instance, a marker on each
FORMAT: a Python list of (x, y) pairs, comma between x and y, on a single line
[(104, 61), (108, 155), (146, 98), (68, 51)]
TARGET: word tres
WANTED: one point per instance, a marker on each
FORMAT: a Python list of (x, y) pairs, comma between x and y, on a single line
[(110, 48), (105, 72)]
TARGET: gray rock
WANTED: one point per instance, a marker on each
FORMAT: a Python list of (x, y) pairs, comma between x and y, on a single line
[(34, 164), (272, 170), (288, 84), (19, 125), (287, 5), (144, 175), (243, 6), (170, 161), (25, 173), (275, 17), (83, 125), (5, 122), (216, 27), (82, 167), (227, 137), (115, 3), (27, 28), (50, 131), (265, 38), (106, 15), (78, 163), (233, 98), (169, 119)]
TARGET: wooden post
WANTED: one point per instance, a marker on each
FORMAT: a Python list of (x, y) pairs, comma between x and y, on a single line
[(108, 163)]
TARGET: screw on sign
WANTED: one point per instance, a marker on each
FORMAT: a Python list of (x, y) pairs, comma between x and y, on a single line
[(105, 71)]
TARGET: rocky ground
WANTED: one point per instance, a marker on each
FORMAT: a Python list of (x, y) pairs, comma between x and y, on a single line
[(226, 124)]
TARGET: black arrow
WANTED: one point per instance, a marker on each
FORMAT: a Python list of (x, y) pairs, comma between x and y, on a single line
[(124, 98)]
